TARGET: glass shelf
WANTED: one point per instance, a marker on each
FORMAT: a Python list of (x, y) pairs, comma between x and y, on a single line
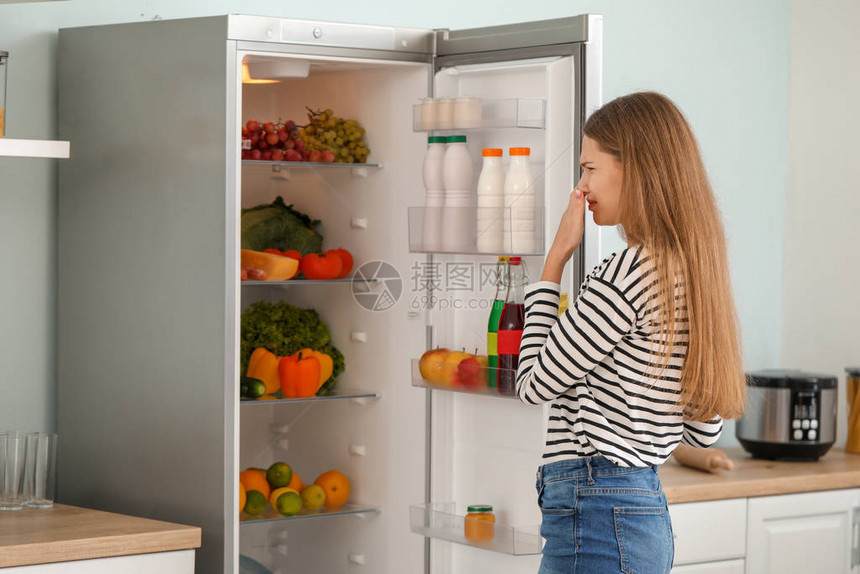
[(470, 114), (310, 164), (308, 282), (335, 395), (271, 515), (481, 230), (476, 387), (438, 520)]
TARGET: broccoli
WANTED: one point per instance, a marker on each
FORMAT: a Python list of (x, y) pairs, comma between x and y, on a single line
[(284, 329)]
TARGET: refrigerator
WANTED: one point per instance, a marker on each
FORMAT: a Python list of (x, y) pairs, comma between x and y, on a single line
[(150, 298)]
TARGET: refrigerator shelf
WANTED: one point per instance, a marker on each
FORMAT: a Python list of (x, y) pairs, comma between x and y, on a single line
[(480, 388), (306, 282), (438, 520), (34, 148), (282, 168), (482, 231), (474, 114), (271, 515), (333, 396)]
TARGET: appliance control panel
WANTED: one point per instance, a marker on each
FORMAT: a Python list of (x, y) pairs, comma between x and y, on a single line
[(805, 416)]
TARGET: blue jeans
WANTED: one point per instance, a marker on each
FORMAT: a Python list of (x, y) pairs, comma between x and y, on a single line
[(600, 518)]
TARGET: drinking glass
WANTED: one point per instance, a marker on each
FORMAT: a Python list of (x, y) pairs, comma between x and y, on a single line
[(13, 451), (40, 478)]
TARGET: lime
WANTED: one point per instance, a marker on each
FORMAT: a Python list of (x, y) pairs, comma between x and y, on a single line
[(256, 502), (255, 388), (289, 503), (279, 474), (273, 498)]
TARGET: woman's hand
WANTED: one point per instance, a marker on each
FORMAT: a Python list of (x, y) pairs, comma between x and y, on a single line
[(567, 238)]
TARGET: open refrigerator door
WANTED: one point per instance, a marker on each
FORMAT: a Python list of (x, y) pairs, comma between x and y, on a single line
[(535, 83)]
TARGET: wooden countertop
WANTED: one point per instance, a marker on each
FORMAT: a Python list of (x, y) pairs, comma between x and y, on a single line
[(63, 533), (753, 477)]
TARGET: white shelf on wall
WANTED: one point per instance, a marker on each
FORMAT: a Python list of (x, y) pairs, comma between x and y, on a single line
[(34, 148)]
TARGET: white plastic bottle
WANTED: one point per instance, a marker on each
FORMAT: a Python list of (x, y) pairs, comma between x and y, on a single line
[(491, 202), (519, 226), (434, 201), (458, 217)]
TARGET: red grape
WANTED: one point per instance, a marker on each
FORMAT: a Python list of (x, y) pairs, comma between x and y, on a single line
[(255, 154), (267, 155), (269, 127), (272, 139), (277, 155), (252, 125)]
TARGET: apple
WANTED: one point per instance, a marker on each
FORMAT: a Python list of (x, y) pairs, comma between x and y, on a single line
[(449, 367), (472, 371), (431, 363)]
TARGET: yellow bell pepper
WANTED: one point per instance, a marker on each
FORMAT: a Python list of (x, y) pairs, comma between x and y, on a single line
[(263, 365)]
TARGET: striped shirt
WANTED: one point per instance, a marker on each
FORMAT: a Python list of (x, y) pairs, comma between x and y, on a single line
[(595, 365)]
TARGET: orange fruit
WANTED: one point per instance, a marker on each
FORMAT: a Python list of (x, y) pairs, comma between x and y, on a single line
[(296, 482), (243, 497), (255, 479), (336, 487)]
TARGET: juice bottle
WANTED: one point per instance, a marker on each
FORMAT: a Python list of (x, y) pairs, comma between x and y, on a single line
[(511, 325), (493, 323)]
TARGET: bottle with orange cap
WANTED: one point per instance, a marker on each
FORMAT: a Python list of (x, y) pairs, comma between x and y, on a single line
[(519, 224), (491, 202)]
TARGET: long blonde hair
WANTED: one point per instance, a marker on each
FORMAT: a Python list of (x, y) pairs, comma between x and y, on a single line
[(668, 207)]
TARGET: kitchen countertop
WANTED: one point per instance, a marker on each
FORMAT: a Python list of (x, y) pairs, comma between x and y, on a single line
[(754, 477), (63, 533)]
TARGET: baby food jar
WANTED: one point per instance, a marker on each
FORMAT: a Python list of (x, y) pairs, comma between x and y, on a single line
[(4, 58), (480, 523)]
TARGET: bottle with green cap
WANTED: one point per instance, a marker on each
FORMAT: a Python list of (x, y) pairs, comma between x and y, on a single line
[(435, 193), (458, 217)]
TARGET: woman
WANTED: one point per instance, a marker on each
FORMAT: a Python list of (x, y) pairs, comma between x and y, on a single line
[(648, 356)]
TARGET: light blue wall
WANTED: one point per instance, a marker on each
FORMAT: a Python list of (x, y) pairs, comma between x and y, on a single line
[(725, 62)]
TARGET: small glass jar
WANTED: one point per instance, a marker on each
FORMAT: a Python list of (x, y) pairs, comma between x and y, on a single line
[(480, 523), (4, 59)]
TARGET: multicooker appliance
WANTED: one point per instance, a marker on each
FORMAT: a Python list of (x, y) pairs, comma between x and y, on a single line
[(789, 415)]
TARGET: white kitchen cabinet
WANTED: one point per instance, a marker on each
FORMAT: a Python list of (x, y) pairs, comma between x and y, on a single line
[(695, 524), (722, 567), (176, 562), (780, 534), (810, 532)]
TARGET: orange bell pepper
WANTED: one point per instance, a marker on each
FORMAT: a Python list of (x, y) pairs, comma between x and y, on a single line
[(299, 375), (326, 365)]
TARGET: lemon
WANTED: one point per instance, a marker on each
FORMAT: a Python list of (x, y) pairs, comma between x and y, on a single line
[(256, 502), (279, 474), (273, 498), (313, 496), (289, 503)]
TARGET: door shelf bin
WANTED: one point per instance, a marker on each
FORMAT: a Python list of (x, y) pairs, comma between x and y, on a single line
[(513, 236), (476, 387), (477, 114), (271, 515), (438, 520)]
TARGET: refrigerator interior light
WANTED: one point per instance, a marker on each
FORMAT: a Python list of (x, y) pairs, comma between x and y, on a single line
[(278, 68), (247, 79)]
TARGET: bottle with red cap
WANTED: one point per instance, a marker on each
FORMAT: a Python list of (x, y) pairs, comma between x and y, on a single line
[(511, 325), (519, 227), (491, 202)]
